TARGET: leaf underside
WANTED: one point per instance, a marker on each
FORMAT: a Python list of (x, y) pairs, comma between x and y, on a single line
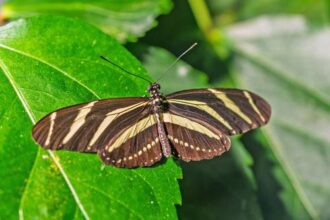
[(292, 61)]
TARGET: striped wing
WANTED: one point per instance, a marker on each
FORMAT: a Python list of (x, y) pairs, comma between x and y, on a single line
[(88, 127), (232, 111), (194, 140), (136, 146), (199, 121)]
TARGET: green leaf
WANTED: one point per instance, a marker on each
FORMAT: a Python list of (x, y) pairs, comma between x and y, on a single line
[(41, 71), (125, 20), (288, 65), (221, 188)]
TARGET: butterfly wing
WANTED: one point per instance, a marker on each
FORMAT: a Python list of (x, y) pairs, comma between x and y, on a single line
[(137, 145), (86, 127), (231, 111), (199, 121), (193, 140)]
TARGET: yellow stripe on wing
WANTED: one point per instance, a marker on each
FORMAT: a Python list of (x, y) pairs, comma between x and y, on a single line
[(189, 124), (133, 130), (230, 104), (204, 107), (79, 121), (255, 108), (109, 118)]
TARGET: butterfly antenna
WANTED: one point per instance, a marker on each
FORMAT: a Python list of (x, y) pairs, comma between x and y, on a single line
[(126, 71), (177, 59)]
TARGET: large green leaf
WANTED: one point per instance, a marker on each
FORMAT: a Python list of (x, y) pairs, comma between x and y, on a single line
[(289, 65), (221, 188), (41, 71), (126, 20)]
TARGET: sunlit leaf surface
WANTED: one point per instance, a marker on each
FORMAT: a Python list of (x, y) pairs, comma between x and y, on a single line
[(41, 71)]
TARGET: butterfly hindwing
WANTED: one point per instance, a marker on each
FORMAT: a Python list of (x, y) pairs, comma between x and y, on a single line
[(86, 127), (193, 140), (138, 145)]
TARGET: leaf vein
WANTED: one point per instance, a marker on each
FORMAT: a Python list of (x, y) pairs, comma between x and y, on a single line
[(30, 114)]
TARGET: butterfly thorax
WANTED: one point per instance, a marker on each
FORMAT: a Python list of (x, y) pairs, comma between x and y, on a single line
[(156, 97), (158, 107)]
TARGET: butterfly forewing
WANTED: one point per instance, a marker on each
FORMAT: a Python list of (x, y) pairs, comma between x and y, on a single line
[(231, 111), (85, 127)]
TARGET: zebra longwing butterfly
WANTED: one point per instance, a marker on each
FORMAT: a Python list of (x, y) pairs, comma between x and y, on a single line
[(131, 132)]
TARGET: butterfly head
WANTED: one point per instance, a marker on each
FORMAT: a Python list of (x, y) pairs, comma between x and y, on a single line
[(154, 89)]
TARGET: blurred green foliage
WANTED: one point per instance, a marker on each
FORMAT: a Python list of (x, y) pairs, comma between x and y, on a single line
[(277, 48)]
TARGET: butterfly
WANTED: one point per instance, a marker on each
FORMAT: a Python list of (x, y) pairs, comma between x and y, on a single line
[(132, 132)]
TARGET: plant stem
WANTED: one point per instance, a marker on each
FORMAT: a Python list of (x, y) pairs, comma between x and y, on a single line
[(212, 34), (327, 11), (202, 15)]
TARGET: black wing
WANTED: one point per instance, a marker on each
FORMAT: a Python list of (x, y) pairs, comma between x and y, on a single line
[(198, 121), (88, 127), (138, 145), (231, 111)]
